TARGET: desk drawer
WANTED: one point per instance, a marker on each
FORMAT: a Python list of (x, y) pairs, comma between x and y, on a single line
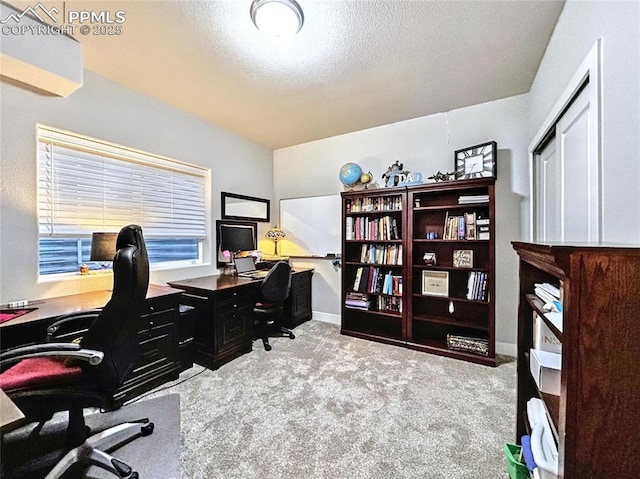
[(157, 349), (232, 299), (233, 328)]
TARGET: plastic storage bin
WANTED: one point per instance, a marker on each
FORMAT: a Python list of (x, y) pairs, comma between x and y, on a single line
[(516, 467)]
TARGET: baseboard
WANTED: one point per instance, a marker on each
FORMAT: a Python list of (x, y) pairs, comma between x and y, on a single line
[(327, 318), (506, 349)]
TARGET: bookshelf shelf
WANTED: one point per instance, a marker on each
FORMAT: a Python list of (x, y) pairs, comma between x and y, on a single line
[(450, 298), (452, 321), (538, 306), (424, 240), (451, 207)]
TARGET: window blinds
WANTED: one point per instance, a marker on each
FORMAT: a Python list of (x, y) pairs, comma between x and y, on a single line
[(86, 185)]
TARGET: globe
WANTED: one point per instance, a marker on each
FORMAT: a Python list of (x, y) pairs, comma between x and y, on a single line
[(350, 174)]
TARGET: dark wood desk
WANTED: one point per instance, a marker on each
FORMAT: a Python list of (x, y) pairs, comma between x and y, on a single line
[(157, 333), (223, 327)]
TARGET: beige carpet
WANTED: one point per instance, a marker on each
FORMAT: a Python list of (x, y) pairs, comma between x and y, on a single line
[(331, 406)]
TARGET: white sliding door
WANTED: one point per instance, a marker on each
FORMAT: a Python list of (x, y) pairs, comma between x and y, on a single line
[(566, 178)]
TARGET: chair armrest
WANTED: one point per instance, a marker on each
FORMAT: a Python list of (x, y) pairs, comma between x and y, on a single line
[(68, 325), (58, 350)]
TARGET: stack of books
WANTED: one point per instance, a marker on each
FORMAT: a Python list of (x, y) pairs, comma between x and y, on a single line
[(358, 301), (472, 199), (483, 231), (551, 296)]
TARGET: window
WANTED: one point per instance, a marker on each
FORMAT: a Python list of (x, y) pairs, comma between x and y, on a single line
[(86, 185)]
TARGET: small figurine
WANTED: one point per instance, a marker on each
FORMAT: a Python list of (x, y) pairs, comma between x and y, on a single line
[(429, 259), (391, 176), (439, 176)]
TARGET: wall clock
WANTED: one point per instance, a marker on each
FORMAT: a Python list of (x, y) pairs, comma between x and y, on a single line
[(476, 161)]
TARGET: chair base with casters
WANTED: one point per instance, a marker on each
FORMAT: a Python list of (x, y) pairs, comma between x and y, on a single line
[(265, 323), (92, 451)]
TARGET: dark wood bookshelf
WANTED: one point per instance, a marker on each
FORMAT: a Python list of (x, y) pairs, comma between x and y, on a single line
[(595, 418), (425, 321)]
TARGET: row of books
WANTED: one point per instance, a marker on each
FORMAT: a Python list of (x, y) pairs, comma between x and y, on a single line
[(390, 303), (369, 279), (472, 199), (477, 288), (381, 254), (365, 228), (365, 302), (376, 203), (468, 226)]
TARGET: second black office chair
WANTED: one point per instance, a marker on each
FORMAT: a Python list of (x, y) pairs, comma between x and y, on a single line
[(274, 291)]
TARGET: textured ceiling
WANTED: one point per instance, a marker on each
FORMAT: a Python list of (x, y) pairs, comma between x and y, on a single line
[(354, 65)]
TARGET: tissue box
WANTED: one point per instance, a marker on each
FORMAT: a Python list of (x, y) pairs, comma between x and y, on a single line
[(545, 369)]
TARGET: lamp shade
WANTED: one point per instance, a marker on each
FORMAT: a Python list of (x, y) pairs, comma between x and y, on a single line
[(103, 246), (275, 233)]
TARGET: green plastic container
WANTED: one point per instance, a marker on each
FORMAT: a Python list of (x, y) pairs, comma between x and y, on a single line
[(516, 467)]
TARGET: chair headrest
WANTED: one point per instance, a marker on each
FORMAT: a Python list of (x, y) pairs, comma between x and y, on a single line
[(131, 263)]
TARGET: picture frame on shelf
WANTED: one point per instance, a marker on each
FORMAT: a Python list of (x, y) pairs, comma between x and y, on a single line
[(435, 283), (478, 161), (463, 258)]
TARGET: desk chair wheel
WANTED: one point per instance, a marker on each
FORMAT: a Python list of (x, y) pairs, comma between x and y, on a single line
[(292, 336)]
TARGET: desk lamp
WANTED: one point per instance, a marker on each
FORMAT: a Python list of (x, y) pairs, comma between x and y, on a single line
[(103, 247), (275, 234)]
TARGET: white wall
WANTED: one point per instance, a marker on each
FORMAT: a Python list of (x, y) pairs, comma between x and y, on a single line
[(579, 26), (424, 144), (106, 110)]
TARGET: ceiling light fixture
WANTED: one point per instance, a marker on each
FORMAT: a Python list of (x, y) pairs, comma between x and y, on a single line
[(277, 18)]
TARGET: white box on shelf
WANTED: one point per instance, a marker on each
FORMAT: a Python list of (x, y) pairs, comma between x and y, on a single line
[(545, 369), (543, 338)]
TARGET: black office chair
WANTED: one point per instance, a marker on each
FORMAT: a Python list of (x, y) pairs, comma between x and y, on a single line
[(52, 377), (274, 291)]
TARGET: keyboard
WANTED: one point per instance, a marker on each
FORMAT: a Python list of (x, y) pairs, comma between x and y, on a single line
[(259, 274)]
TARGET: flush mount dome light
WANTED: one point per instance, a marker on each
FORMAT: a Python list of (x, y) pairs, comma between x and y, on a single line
[(277, 18)]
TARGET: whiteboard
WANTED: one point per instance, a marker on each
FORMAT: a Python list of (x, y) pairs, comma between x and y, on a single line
[(312, 225)]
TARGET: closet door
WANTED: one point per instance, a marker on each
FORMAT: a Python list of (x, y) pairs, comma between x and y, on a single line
[(567, 179), (547, 193)]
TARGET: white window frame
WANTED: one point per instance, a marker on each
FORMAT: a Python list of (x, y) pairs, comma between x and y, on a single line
[(136, 158)]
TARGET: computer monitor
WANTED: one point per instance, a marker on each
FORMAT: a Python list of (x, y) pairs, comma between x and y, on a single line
[(237, 238), (233, 237)]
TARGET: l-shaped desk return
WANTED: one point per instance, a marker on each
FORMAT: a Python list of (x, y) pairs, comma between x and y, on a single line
[(223, 309)]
